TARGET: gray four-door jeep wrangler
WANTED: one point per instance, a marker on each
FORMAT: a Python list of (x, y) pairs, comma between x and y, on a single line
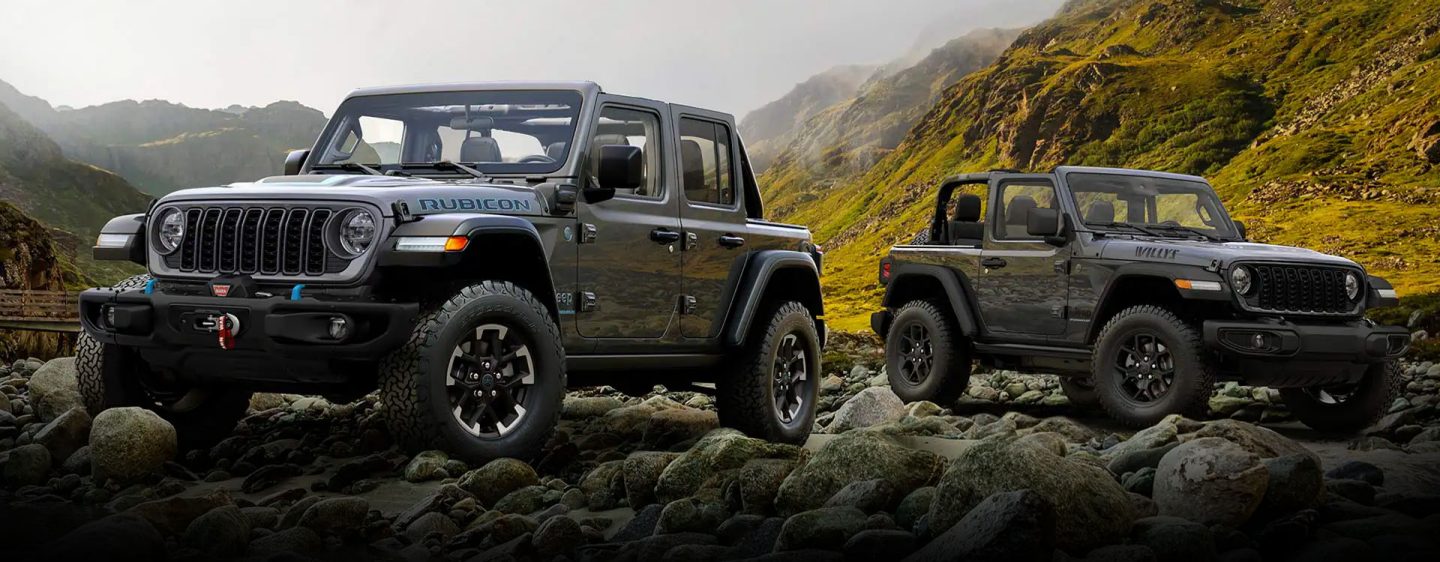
[(465, 248), (1140, 291)]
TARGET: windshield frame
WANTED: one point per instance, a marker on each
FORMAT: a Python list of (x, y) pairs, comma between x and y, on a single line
[(354, 107), (1198, 186)]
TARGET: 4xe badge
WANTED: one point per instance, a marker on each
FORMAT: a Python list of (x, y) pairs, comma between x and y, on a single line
[(220, 290)]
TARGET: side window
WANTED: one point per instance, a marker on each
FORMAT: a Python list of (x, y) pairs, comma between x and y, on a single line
[(633, 127), (373, 140), (1017, 199), (705, 162)]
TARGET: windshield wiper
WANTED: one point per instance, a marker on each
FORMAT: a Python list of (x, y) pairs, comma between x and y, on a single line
[(456, 166), (1134, 227), (349, 167), (1195, 231)]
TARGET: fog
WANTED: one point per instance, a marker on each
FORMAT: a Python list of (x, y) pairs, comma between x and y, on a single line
[(727, 55)]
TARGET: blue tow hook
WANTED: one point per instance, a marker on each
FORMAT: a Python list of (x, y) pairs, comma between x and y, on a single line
[(295, 292)]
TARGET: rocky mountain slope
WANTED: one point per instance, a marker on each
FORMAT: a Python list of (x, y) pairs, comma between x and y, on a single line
[(849, 137), (32, 257), (162, 146), (1317, 122), (38, 178), (769, 129)]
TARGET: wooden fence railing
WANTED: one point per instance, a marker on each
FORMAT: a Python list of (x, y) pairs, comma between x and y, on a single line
[(47, 311)]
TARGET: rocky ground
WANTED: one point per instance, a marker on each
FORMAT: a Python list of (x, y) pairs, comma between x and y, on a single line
[(1010, 472)]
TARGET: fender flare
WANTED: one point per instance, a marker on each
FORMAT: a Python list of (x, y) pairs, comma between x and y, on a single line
[(1162, 272), (132, 227), (755, 280), (957, 291), (475, 227)]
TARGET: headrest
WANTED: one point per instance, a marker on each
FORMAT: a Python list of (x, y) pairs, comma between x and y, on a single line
[(473, 123), (480, 149), (692, 163), (556, 150), (1018, 213), (967, 208), (1100, 212)]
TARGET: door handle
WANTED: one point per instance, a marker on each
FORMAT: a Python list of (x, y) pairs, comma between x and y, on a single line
[(731, 241), (993, 263), (663, 236)]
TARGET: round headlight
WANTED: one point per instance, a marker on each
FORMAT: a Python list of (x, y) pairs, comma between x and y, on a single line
[(1240, 280), (1352, 286), (357, 232), (172, 231)]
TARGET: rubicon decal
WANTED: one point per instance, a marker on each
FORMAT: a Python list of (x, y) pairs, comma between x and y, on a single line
[(486, 204)]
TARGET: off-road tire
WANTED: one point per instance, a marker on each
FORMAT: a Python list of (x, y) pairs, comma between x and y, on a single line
[(108, 376), (1080, 391), (1194, 379), (415, 406), (950, 361), (745, 393), (1374, 393)]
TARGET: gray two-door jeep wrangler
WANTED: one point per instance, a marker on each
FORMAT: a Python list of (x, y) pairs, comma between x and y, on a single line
[(1140, 291), (466, 249)]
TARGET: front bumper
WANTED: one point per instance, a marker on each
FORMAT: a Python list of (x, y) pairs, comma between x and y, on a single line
[(177, 329), (1281, 353)]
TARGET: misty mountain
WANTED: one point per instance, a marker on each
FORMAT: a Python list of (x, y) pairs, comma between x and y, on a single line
[(769, 129), (846, 138), (162, 146), (1318, 123)]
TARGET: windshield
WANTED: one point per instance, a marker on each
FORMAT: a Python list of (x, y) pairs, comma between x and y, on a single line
[(494, 132), (1150, 205)]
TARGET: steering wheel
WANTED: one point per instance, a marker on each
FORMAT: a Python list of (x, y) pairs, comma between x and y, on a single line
[(536, 159)]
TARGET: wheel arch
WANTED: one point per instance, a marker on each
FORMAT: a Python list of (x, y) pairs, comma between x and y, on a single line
[(500, 247), (1132, 287), (918, 281), (770, 276)]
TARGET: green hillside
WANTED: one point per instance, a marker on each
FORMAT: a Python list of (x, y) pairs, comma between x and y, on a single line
[(162, 146), (1319, 123)]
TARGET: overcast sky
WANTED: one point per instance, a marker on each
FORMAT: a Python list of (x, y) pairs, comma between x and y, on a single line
[(729, 55)]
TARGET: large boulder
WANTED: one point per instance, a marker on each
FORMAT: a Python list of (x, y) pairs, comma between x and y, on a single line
[(427, 465), (343, 516), (497, 479), (1091, 509), (720, 450), (1017, 526), (759, 480), (27, 465), (604, 486), (1295, 483), (128, 443), (854, 457), (1212, 481), (221, 532), (66, 434), (690, 515), (872, 406), (673, 426), (642, 471), (1155, 436), (824, 528), (54, 389), (1264, 443)]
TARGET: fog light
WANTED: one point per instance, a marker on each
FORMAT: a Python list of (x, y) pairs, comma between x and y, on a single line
[(339, 328), (109, 311), (1258, 341)]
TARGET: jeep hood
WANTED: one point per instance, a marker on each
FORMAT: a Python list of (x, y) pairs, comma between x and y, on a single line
[(1202, 254), (423, 196)]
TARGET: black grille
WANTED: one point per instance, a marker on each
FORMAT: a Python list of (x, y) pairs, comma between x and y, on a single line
[(1301, 289), (256, 240)]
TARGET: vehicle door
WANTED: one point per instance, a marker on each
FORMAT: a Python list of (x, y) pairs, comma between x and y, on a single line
[(1023, 282), (711, 214), (629, 267)]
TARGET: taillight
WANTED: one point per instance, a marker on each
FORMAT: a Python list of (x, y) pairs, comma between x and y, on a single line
[(885, 270)]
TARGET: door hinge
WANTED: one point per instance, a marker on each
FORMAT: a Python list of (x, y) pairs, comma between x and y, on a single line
[(588, 232), (1060, 311), (687, 304), (691, 240), (1062, 267), (588, 301)]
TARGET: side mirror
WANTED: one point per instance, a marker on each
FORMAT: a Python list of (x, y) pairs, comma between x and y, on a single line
[(294, 161), (1240, 228), (621, 166)]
